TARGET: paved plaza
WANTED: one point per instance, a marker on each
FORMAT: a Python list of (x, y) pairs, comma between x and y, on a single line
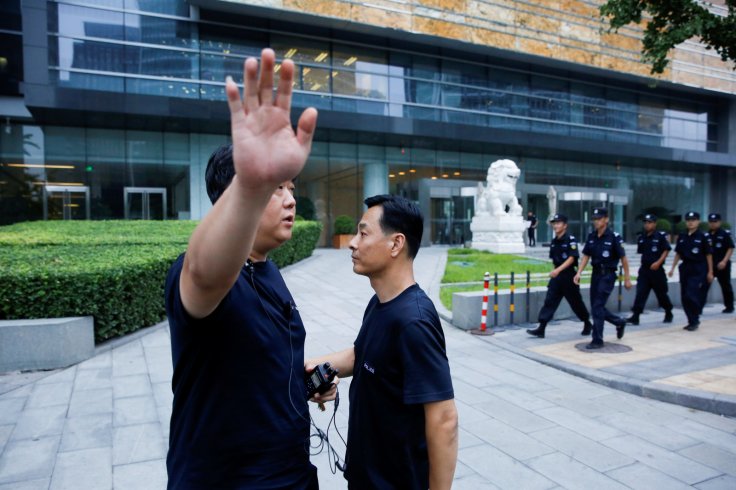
[(529, 415)]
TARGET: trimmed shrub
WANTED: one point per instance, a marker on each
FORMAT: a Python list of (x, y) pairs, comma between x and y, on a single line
[(664, 225), (303, 240), (114, 270), (344, 225)]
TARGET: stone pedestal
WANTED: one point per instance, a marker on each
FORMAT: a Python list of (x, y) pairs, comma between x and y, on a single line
[(498, 234)]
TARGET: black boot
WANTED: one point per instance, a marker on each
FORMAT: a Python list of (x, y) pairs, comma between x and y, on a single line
[(633, 319), (587, 328), (667, 316), (539, 331)]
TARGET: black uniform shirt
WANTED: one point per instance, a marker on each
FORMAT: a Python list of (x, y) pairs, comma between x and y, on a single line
[(563, 248), (693, 248), (651, 247), (721, 241), (606, 250)]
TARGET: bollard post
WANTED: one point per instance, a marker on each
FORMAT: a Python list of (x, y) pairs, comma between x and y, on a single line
[(528, 294), (620, 288), (511, 300), (484, 309), (495, 299)]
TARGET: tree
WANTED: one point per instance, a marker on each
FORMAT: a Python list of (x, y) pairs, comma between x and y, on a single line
[(673, 22)]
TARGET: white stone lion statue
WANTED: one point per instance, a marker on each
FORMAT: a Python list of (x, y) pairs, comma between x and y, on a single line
[(500, 190)]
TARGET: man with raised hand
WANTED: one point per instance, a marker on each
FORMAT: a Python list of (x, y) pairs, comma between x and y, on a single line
[(239, 416)]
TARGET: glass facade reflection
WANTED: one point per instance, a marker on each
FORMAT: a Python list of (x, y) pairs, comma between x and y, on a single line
[(125, 48), (156, 48)]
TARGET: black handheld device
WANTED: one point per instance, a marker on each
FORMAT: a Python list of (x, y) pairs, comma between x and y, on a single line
[(319, 380)]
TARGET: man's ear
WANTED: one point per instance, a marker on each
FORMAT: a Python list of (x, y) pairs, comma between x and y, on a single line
[(398, 242)]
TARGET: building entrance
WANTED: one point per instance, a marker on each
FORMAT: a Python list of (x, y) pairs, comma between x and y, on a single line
[(578, 206), (145, 203), (65, 202)]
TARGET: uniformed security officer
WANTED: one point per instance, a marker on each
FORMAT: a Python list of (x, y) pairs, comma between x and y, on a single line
[(563, 251), (696, 272), (654, 246), (603, 248), (722, 243)]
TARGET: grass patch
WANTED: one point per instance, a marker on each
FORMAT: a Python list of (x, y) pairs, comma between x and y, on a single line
[(468, 265)]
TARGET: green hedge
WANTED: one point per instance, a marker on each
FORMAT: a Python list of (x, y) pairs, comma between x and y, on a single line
[(112, 270)]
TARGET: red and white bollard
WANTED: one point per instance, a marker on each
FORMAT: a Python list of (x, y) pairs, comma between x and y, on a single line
[(484, 311)]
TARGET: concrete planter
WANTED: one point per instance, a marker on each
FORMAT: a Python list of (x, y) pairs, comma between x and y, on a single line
[(341, 241), (48, 343)]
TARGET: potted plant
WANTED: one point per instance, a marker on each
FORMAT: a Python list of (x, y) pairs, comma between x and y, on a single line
[(343, 231)]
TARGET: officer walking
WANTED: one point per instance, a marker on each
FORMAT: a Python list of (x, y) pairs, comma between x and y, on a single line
[(696, 272), (603, 248), (654, 246), (563, 251), (722, 243)]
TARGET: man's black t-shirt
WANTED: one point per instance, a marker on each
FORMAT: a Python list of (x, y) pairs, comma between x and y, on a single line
[(239, 417), (400, 364)]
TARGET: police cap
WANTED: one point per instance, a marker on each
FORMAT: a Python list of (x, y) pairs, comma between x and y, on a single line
[(650, 217), (558, 217), (714, 217), (600, 213), (690, 215)]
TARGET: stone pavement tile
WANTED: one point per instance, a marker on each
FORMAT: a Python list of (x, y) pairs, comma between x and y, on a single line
[(670, 365), (572, 474), (100, 361), (128, 366), (158, 338), (469, 393), (5, 431), (465, 439), (160, 370), (87, 402), (501, 469), (135, 410), (164, 418), (48, 395), (468, 414), (35, 423), (134, 385), (87, 432), (698, 430), (530, 401), (514, 415), (136, 443), (88, 468), (579, 422), (725, 482), (509, 440), (712, 456), (17, 391), (581, 448), (462, 471), (718, 380), (42, 484), (668, 462), (473, 482), (10, 409), (162, 394), (128, 350), (140, 476), (59, 377), (93, 379), (28, 459), (579, 402), (470, 375), (641, 477), (648, 429)]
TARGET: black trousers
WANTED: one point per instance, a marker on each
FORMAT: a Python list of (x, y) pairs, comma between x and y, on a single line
[(601, 287), (560, 287), (724, 279), (647, 281), (532, 239), (693, 289)]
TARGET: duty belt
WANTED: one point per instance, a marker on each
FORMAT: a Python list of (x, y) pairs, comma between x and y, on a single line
[(602, 270)]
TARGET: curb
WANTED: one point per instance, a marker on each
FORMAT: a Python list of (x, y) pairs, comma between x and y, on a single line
[(716, 403)]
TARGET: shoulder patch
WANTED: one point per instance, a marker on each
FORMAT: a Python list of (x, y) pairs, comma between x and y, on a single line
[(663, 233)]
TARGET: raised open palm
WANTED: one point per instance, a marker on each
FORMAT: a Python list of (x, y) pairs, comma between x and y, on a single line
[(266, 150)]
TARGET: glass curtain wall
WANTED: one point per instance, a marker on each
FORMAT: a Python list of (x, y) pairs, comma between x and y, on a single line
[(155, 48)]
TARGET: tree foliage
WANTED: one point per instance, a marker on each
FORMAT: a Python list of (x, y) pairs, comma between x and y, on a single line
[(673, 22)]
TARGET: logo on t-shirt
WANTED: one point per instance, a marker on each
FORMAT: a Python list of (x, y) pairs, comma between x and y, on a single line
[(370, 368)]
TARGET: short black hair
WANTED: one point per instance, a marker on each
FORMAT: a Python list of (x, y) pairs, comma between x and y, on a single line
[(220, 172), (400, 215)]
